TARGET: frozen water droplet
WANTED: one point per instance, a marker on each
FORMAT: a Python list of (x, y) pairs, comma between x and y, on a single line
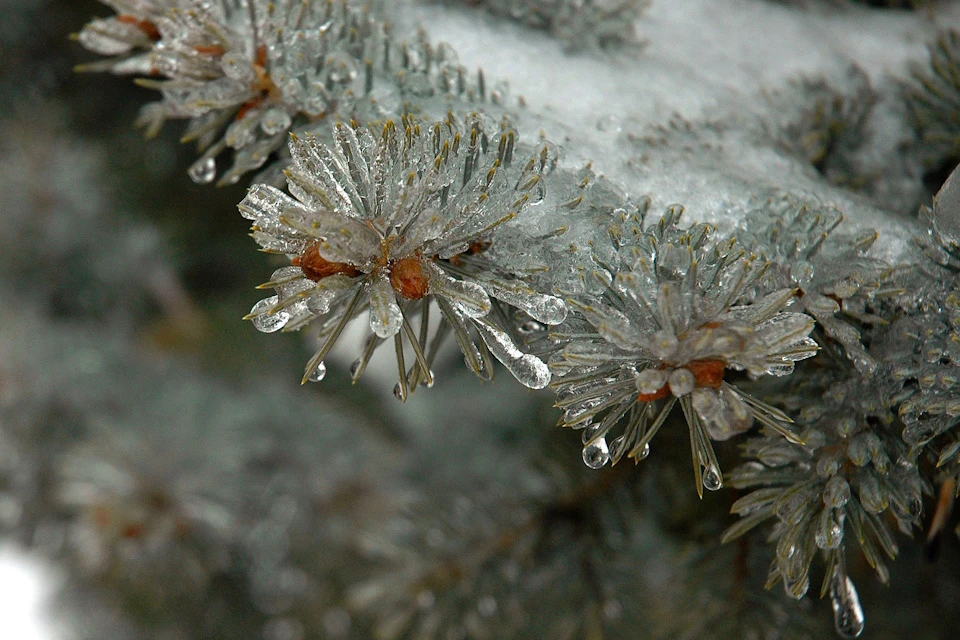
[(265, 321), (798, 588), (548, 309), (203, 171), (274, 121), (914, 507), (398, 392), (596, 455), (236, 66), (643, 453), (318, 373), (846, 288), (618, 447), (872, 496), (530, 326), (650, 380), (681, 381), (847, 612), (355, 367), (529, 370), (385, 315), (711, 478), (829, 533), (487, 606), (588, 432), (836, 493)]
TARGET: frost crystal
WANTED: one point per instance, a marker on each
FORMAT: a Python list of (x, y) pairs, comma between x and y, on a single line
[(390, 221), (664, 332)]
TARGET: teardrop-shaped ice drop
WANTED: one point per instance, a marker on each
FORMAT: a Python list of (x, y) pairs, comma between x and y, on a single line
[(596, 454), (385, 315), (265, 321), (203, 171), (847, 612), (529, 370), (318, 373), (712, 479)]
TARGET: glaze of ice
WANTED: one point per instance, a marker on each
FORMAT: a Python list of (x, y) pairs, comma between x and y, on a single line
[(704, 63), (469, 297), (539, 306)]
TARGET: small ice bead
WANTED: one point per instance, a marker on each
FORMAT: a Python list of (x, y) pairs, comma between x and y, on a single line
[(859, 450), (596, 454), (797, 587), (650, 380), (275, 121), (845, 426), (802, 272), (546, 309), (682, 382), (829, 529), (317, 374), (706, 403), (711, 479), (268, 322), (846, 288), (237, 67), (872, 496), (663, 345), (836, 493), (203, 171)]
